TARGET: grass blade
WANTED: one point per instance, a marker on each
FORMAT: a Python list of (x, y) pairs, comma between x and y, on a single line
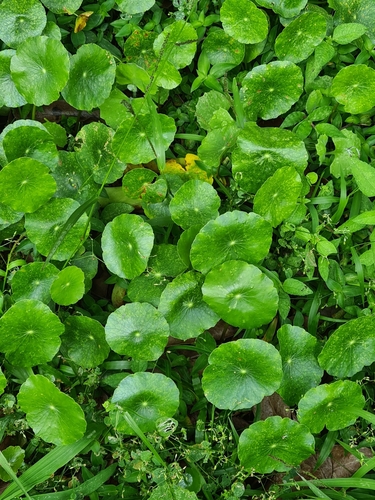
[(366, 467), (8, 469), (344, 482), (47, 466), (68, 226), (326, 448), (84, 489)]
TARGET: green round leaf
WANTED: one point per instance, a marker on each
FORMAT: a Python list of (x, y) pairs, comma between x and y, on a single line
[(132, 140), (358, 11), (179, 42), (136, 180), (114, 209), (331, 405), (240, 294), (165, 261), (195, 202), (8, 216), (139, 49), (285, 8), (244, 21), (74, 178), (84, 341), (232, 236), (68, 287), (182, 305), (29, 333), (221, 137), (301, 372), (40, 69), (276, 199), (207, 104), (349, 348), (92, 73), (112, 110), (131, 7), (34, 281), (127, 243), (62, 6), (53, 415), (156, 192), (354, 86), (26, 185), (31, 142), (275, 444), (185, 241), (46, 224), (221, 48), (261, 151), (52, 31), (269, 90), (14, 456), (57, 132), (94, 151), (21, 19), (241, 373), (146, 397), (298, 40), (147, 288), (137, 330), (348, 32), (11, 126), (9, 95)]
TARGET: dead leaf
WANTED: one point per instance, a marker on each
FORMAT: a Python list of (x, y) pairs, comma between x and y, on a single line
[(81, 21), (273, 405), (339, 464)]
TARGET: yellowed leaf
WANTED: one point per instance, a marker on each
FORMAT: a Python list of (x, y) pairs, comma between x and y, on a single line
[(186, 167), (81, 21)]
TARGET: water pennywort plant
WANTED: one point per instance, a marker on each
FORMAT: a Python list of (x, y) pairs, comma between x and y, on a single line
[(187, 264)]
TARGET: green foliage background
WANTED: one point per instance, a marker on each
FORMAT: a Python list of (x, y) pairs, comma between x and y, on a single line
[(186, 214)]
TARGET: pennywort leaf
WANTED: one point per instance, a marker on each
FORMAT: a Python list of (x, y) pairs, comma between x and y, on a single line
[(232, 236), (354, 86), (298, 40), (25, 184), (240, 294), (241, 373), (30, 333), (40, 69), (92, 73), (21, 20), (181, 303), (127, 243), (275, 444), (147, 397), (137, 330), (53, 415), (331, 405), (251, 27), (270, 90), (349, 348)]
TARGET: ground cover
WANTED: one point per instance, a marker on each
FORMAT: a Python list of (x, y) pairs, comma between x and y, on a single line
[(187, 261)]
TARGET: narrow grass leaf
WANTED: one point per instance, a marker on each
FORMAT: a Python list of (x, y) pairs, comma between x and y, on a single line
[(69, 224), (8, 469), (84, 489), (47, 466)]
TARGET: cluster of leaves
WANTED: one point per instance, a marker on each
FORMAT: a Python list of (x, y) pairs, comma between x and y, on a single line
[(192, 237)]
